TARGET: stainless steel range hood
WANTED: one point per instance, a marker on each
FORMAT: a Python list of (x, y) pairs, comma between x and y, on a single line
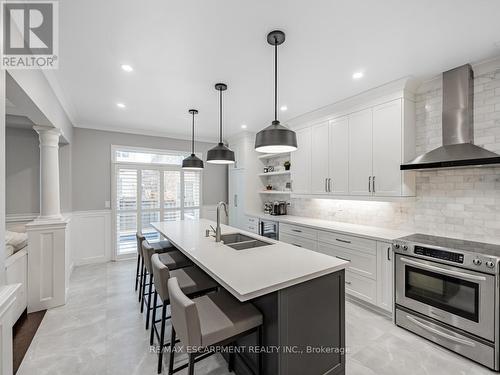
[(458, 149)]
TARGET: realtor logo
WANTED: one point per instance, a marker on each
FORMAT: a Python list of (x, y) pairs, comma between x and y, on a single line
[(29, 34)]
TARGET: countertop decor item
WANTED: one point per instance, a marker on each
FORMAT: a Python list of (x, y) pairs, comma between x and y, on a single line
[(220, 154), (192, 162), (287, 165), (276, 137)]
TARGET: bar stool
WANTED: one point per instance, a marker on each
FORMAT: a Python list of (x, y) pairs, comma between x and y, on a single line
[(193, 282), (160, 247), (172, 259), (215, 319)]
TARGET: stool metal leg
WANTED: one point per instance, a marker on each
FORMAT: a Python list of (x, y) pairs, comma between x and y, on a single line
[(137, 271), (143, 281), (260, 369), (162, 336), (191, 364), (148, 309), (153, 319), (230, 364), (172, 353)]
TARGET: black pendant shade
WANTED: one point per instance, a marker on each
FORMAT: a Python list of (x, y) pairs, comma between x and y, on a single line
[(220, 154), (276, 137), (192, 162)]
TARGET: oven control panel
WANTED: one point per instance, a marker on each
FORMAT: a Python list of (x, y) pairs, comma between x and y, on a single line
[(472, 261), (439, 254)]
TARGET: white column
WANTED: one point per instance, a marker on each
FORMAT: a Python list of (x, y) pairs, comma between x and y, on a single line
[(50, 204)]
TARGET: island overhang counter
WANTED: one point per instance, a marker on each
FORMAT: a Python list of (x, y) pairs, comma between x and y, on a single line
[(299, 292)]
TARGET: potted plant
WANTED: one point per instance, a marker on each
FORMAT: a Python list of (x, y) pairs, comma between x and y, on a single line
[(287, 165)]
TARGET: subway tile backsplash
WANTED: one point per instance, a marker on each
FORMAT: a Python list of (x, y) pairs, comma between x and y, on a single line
[(460, 203)]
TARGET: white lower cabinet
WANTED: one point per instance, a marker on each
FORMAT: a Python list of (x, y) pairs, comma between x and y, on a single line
[(385, 273), (299, 241), (252, 224), (361, 287), (369, 276)]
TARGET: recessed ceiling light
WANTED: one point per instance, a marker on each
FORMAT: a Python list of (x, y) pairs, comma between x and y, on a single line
[(283, 108), (127, 68), (120, 105), (243, 126), (357, 75)]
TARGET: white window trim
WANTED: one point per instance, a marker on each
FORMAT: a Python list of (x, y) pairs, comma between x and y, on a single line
[(115, 148), (148, 166)]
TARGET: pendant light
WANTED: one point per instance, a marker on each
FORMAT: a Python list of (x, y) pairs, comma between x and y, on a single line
[(276, 137), (192, 162), (220, 154)]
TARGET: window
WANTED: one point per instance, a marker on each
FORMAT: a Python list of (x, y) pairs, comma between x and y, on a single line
[(150, 186)]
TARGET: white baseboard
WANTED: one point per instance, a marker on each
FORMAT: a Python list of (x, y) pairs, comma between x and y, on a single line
[(90, 237)]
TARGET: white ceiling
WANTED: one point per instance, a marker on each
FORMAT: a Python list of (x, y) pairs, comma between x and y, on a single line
[(180, 49)]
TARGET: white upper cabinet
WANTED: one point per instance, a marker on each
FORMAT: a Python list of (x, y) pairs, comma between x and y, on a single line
[(339, 156), (387, 148), (358, 145), (319, 158), (301, 163), (360, 152)]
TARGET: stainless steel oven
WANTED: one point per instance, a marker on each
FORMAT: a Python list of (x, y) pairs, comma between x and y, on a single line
[(448, 291), (462, 298)]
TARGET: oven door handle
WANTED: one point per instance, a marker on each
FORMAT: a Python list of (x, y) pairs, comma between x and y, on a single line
[(445, 271), (438, 332)]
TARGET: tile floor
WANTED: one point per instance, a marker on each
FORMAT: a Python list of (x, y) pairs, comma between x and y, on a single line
[(100, 331)]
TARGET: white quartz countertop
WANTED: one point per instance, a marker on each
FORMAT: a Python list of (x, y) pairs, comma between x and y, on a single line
[(367, 231), (252, 272)]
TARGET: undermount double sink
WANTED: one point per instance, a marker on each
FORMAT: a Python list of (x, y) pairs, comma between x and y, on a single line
[(239, 241)]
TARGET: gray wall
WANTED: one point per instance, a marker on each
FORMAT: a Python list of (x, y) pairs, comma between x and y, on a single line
[(22, 171), (91, 161)]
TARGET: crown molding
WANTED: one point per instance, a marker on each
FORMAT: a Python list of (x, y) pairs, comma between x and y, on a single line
[(151, 133)]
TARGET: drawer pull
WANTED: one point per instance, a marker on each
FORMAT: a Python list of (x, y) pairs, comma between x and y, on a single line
[(348, 282), (294, 244), (347, 260), (344, 241), (296, 230)]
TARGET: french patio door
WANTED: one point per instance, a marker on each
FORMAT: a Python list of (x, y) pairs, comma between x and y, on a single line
[(145, 194)]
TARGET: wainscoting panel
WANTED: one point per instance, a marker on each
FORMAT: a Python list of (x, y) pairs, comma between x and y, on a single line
[(90, 237)]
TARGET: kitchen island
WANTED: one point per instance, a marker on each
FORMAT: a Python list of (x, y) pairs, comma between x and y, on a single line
[(299, 292)]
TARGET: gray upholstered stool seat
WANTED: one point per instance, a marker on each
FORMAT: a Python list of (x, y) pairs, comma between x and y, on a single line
[(174, 259), (160, 247), (222, 316), (193, 280), (164, 245), (212, 320)]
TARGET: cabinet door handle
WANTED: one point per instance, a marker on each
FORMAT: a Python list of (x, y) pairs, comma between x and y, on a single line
[(347, 260), (296, 230), (329, 185), (235, 200), (326, 185), (373, 184), (294, 244), (348, 282), (340, 240), (370, 184), (389, 253)]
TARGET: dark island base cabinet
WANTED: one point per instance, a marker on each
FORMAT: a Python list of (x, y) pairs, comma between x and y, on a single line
[(306, 316)]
